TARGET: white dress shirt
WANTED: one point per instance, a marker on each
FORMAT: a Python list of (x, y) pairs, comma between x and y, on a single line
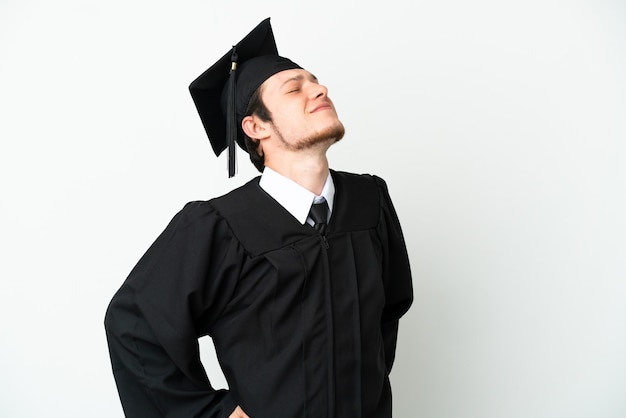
[(294, 198)]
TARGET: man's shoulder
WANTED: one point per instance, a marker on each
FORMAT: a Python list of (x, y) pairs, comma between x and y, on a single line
[(366, 177), (238, 198), (358, 184), (217, 206), (357, 201)]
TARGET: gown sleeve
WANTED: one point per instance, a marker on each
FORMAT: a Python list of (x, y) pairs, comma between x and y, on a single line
[(171, 298), (396, 274)]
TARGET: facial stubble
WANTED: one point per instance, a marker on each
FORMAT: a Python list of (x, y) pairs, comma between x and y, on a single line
[(330, 134)]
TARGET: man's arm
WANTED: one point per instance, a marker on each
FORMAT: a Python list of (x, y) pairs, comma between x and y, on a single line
[(173, 295), (396, 274), (149, 382)]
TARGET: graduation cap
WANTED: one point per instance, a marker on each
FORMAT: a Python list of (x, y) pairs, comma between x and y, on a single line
[(222, 92)]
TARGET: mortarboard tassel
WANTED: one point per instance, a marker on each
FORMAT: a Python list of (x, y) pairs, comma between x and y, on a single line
[(231, 117)]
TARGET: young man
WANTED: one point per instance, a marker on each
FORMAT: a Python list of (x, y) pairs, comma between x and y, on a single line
[(299, 276)]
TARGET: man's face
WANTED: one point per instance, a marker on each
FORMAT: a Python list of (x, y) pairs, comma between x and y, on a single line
[(302, 113)]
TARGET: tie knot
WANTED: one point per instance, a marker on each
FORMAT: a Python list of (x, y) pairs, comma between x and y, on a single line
[(319, 214)]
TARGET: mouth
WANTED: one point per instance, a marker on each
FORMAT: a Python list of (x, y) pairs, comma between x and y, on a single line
[(322, 106)]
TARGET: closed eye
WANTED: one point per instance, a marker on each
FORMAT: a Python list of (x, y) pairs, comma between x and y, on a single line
[(293, 84)]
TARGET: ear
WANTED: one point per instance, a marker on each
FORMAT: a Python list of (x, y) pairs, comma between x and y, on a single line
[(255, 128)]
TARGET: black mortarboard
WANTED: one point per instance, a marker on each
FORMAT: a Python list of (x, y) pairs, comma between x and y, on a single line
[(222, 92)]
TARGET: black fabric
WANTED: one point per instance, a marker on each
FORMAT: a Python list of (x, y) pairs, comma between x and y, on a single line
[(301, 329)]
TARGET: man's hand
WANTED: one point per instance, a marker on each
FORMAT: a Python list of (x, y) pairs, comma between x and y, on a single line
[(238, 413)]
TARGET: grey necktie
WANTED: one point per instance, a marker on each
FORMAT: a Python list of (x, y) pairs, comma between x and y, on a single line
[(319, 214)]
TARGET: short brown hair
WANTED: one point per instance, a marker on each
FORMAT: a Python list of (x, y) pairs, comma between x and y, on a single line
[(256, 107)]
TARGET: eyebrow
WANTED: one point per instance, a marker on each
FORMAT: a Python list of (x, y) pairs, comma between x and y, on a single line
[(298, 77)]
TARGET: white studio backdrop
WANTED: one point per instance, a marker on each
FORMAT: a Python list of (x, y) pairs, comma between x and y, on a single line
[(500, 128)]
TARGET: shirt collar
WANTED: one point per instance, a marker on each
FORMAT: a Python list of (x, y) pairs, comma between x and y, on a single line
[(294, 198)]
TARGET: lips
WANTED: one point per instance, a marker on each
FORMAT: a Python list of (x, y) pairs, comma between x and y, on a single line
[(321, 106)]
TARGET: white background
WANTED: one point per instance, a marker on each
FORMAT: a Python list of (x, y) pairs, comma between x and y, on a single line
[(499, 126)]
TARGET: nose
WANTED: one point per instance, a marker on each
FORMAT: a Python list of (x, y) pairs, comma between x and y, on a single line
[(318, 90)]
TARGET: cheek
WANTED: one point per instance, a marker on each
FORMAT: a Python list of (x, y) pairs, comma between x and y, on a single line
[(288, 117)]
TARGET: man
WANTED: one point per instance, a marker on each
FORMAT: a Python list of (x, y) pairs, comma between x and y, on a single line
[(299, 276)]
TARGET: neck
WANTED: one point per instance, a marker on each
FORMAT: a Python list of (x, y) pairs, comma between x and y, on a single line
[(309, 171)]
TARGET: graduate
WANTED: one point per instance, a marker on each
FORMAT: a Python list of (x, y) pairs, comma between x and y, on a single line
[(300, 276)]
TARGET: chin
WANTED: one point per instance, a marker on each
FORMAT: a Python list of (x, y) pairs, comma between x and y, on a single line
[(331, 135)]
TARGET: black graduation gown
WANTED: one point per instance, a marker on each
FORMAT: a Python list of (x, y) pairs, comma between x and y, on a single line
[(304, 325)]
